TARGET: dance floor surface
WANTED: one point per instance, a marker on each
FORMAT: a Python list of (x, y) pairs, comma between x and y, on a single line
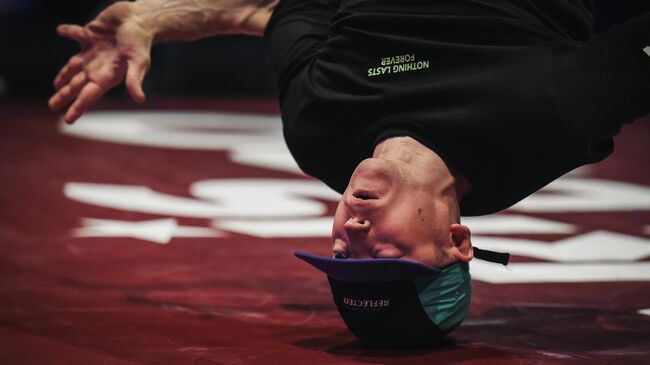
[(165, 235)]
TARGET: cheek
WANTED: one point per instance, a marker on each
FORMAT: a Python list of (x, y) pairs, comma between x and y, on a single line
[(339, 236), (415, 220), (340, 217)]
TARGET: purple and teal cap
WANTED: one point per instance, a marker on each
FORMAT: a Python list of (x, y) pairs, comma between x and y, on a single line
[(396, 302)]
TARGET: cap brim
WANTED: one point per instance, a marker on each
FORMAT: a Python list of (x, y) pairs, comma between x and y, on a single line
[(368, 270)]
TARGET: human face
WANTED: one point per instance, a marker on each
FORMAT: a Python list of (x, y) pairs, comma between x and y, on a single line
[(387, 212)]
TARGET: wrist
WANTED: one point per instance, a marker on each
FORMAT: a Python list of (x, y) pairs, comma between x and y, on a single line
[(251, 20), (186, 20), (142, 14)]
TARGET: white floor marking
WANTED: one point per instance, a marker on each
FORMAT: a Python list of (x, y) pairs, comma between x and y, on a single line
[(157, 230), (593, 246), (251, 139), (137, 198), (322, 226), (555, 355), (645, 312), (559, 272), (257, 140), (571, 194), (299, 227), (647, 50), (282, 201), (232, 198), (288, 208), (512, 224)]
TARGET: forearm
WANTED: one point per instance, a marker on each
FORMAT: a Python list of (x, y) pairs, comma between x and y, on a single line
[(186, 20)]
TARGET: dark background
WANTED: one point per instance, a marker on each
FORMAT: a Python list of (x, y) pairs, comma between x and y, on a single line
[(31, 53)]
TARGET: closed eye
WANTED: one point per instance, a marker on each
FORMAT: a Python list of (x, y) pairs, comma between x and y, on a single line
[(340, 249)]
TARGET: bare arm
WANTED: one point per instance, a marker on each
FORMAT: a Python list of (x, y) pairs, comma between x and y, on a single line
[(184, 20), (117, 44)]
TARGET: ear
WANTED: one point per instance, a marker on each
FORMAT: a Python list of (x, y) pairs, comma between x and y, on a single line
[(461, 240)]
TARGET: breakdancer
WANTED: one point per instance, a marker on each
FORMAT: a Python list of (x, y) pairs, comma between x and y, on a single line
[(416, 111)]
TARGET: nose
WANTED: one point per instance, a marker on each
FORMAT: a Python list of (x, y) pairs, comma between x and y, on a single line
[(357, 224)]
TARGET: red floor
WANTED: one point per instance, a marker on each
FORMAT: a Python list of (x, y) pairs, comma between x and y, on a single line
[(216, 295)]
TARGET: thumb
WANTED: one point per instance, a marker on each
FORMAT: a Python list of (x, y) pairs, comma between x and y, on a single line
[(136, 70)]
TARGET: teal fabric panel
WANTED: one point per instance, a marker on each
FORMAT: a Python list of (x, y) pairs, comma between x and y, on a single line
[(445, 298)]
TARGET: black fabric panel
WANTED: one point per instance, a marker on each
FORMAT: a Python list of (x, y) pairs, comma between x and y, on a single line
[(296, 30)]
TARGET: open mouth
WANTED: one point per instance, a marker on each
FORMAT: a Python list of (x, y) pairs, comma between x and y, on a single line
[(364, 195)]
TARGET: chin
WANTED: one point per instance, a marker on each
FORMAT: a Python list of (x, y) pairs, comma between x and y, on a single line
[(375, 177)]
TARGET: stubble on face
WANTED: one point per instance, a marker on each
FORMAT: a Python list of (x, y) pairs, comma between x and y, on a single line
[(386, 213)]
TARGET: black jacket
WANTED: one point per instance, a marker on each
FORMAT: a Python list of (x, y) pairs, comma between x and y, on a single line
[(512, 94)]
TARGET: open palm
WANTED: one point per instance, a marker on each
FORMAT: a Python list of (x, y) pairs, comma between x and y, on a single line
[(113, 47)]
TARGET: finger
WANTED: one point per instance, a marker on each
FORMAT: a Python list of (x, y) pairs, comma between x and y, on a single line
[(72, 68), (87, 97), (136, 70), (74, 32), (70, 91), (99, 26)]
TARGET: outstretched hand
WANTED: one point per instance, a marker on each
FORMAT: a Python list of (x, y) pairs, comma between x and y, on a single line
[(113, 47)]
